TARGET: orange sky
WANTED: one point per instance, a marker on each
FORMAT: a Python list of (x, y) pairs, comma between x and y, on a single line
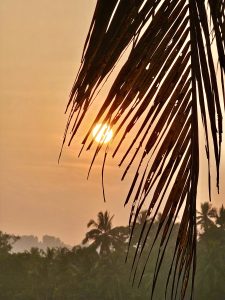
[(41, 45)]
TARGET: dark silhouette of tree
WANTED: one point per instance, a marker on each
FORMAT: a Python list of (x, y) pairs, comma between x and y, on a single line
[(103, 236), (210, 268), (205, 216), (211, 255), (81, 273), (170, 72), (6, 242)]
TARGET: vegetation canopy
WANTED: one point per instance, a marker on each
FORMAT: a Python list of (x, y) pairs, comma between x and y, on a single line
[(97, 271), (170, 86)]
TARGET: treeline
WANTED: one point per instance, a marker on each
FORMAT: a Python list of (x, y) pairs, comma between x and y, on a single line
[(97, 269)]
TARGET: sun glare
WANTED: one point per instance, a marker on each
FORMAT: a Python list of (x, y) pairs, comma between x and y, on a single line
[(102, 133)]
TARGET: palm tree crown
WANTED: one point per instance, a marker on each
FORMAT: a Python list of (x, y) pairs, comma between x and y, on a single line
[(103, 236), (205, 216), (167, 86)]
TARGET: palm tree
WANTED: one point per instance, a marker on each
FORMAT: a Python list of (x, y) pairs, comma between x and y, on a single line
[(138, 227), (205, 216), (103, 236), (168, 84)]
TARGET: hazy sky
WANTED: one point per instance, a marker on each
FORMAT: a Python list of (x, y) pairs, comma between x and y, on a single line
[(41, 44)]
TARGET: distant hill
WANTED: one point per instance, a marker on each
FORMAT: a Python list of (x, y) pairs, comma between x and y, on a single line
[(26, 242)]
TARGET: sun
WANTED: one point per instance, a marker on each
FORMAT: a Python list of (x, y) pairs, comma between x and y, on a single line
[(102, 133)]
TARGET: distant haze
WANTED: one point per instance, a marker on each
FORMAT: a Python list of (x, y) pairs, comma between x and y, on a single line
[(27, 242), (41, 45)]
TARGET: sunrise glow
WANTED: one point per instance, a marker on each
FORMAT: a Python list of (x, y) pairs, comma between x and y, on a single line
[(102, 133)]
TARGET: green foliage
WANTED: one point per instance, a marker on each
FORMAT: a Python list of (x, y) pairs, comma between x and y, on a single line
[(86, 273)]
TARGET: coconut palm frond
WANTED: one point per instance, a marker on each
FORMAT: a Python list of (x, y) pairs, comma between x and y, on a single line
[(167, 86), (92, 223), (217, 9), (220, 218)]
